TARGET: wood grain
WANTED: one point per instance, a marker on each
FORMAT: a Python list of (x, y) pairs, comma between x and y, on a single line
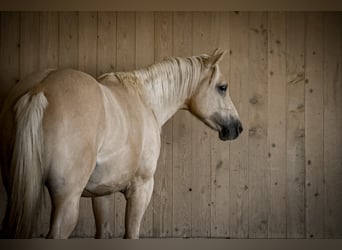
[(9, 51), (87, 42), (106, 42), (332, 124), (295, 134), (9, 69), (277, 124), (48, 36), (314, 126), (239, 88), (68, 40), (29, 43), (258, 121)]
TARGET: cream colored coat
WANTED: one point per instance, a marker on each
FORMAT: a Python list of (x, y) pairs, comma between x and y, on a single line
[(85, 137)]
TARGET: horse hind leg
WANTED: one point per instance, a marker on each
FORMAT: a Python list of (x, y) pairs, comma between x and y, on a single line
[(65, 188), (64, 216)]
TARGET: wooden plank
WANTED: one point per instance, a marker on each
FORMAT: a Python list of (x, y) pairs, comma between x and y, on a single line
[(48, 58), (68, 40), (144, 36), (337, 174), (162, 196), (203, 42), (125, 61), (87, 37), (239, 85), (9, 51), (295, 126), (332, 124), (338, 170), (257, 145), (277, 124), (181, 158), (2, 188), (125, 41), (144, 57), (314, 137), (29, 43), (9, 69), (87, 42), (219, 150), (48, 54), (106, 42), (106, 62)]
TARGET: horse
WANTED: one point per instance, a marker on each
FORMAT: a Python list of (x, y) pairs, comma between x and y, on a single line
[(86, 137)]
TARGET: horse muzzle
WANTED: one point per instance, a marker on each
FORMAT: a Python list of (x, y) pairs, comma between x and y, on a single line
[(231, 130)]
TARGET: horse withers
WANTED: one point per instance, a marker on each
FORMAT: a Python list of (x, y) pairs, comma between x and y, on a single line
[(89, 137)]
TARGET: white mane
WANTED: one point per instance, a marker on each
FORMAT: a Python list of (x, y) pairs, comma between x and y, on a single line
[(167, 84), (172, 79)]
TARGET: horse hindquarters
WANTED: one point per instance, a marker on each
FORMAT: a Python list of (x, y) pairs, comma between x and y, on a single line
[(72, 132)]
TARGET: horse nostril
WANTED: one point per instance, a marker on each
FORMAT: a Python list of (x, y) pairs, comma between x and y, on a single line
[(240, 128)]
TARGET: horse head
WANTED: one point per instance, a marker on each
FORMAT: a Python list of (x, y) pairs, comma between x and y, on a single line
[(211, 102)]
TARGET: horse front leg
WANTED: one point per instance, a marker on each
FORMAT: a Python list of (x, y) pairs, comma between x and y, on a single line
[(138, 197), (102, 211)]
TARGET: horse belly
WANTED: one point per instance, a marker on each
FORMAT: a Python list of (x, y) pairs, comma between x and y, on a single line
[(113, 172)]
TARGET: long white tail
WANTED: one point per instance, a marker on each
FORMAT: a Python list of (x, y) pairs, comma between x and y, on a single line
[(26, 171)]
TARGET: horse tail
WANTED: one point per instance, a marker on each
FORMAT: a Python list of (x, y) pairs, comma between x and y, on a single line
[(26, 171)]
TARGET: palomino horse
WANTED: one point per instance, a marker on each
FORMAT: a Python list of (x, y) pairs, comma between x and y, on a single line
[(85, 137)]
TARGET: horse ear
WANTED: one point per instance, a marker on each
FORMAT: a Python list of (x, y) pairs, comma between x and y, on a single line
[(213, 60), (216, 51)]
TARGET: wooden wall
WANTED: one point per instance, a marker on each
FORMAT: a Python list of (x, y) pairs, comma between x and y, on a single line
[(282, 178)]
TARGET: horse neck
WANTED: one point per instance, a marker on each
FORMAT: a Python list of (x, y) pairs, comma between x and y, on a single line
[(167, 86)]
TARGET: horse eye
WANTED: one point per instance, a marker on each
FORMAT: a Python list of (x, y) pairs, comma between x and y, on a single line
[(222, 88)]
